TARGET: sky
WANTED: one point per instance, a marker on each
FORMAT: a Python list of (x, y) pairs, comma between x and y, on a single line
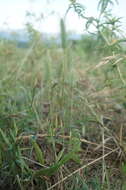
[(48, 14)]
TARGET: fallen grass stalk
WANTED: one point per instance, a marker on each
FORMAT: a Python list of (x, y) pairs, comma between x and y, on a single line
[(26, 138), (85, 166), (34, 162)]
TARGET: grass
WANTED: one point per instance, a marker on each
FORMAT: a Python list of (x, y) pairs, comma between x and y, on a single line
[(62, 120)]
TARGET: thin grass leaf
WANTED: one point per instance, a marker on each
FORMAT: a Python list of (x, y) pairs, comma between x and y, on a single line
[(15, 128), (103, 4), (38, 152), (60, 155), (54, 168), (123, 168), (1, 161), (4, 137), (19, 182), (24, 167)]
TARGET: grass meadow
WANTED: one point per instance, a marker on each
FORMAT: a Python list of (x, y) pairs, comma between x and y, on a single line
[(63, 115)]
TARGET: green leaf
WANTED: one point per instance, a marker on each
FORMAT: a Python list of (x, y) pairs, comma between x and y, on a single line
[(103, 4), (38, 152), (124, 186), (78, 8), (124, 168), (52, 169), (60, 155), (1, 161), (90, 21), (4, 137)]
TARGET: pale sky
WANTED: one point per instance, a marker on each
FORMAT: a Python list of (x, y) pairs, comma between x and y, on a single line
[(13, 14)]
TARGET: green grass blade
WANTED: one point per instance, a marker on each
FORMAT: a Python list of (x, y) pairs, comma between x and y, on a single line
[(51, 170), (4, 137), (38, 152)]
